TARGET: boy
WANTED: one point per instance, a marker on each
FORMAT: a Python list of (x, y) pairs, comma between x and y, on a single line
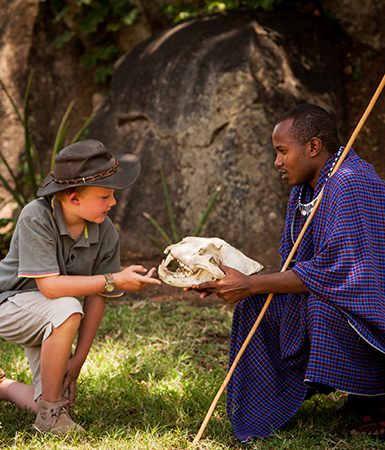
[(64, 247)]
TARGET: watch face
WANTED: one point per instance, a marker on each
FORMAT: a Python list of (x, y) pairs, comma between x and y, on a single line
[(109, 288)]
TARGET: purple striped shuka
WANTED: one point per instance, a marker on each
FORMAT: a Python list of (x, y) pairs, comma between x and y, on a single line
[(334, 335)]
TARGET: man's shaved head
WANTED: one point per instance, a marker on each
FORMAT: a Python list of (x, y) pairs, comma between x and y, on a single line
[(310, 121)]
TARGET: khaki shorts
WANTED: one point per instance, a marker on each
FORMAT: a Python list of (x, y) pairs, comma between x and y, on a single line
[(28, 319)]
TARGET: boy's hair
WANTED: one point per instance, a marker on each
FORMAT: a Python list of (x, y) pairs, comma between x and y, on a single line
[(313, 121), (61, 194)]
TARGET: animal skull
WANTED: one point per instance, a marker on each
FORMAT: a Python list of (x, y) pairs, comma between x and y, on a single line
[(195, 260)]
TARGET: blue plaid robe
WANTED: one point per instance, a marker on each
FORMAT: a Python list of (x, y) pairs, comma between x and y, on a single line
[(335, 333)]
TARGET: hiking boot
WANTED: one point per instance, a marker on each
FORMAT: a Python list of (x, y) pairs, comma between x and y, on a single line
[(54, 417), (2, 375)]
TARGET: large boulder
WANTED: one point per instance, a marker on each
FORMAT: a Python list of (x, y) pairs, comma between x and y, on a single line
[(17, 22), (200, 101), (27, 29), (360, 19)]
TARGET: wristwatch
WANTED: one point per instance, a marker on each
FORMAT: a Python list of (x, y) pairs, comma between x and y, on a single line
[(109, 285)]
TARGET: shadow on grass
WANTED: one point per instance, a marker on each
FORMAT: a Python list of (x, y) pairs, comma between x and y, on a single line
[(149, 380)]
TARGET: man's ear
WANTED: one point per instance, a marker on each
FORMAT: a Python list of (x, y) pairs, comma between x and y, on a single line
[(315, 146)]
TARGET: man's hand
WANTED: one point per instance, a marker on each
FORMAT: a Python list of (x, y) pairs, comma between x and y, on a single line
[(233, 287), (131, 278)]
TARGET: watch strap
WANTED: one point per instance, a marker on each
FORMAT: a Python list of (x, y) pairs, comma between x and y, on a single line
[(109, 285)]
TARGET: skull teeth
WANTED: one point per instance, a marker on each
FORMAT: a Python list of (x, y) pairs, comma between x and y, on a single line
[(177, 267), (183, 270)]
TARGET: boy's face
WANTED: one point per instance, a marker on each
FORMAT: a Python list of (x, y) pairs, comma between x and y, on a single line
[(93, 203), (292, 160)]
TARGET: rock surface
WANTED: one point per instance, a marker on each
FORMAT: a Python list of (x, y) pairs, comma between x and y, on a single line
[(362, 20), (26, 30), (200, 101), (204, 108), (16, 29)]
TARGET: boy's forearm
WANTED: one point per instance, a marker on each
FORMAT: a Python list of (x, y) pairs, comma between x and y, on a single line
[(93, 312), (71, 285), (132, 278)]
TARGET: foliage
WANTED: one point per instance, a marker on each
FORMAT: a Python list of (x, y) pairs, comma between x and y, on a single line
[(185, 10), (149, 380), (6, 231), (30, 169), (96, 23), (173, 235), (23, 183)]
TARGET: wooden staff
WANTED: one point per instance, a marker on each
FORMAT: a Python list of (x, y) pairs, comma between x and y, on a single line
[(287, 262)]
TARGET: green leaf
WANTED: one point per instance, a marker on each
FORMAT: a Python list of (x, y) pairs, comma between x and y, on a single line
[(158, 244), (9, 170), (31, 170), (4, 222), (158, 228), (107, 52), (89, 23), (83, 129), (63, 38), (217, 7), (15, 194), (60, 134), (207, 211), (114, 26), (104, 72), (13, 103), (169, 208), (89, 59), (131, 17)]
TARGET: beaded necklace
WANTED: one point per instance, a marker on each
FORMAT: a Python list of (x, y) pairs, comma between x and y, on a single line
[(306, 208)]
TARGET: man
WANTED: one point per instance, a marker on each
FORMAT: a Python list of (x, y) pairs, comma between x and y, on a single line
[(325, 327)]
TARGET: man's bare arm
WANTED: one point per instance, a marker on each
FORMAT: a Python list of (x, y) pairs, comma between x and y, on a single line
[(235, 285)]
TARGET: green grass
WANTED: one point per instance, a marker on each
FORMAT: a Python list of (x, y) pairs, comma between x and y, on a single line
[(149, 381)]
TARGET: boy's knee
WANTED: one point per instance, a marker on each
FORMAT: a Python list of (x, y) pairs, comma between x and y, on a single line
[(73, 320), (71, 313)]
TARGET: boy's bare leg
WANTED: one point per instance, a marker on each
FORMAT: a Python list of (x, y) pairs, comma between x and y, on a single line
[(52, 415), (21, 394), (55, 352)]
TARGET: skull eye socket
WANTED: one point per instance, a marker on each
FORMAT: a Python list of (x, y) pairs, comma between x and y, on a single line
[(173, 265)]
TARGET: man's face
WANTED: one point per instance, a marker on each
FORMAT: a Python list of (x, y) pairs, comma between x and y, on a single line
[(292, 160)]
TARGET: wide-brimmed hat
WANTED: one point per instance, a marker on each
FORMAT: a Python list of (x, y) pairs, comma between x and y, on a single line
[(88, 163)]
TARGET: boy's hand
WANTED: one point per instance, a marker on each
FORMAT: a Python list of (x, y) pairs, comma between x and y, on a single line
[(131, 278), (70, 381)]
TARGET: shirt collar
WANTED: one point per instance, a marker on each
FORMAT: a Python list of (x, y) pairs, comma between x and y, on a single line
[(91, 230)]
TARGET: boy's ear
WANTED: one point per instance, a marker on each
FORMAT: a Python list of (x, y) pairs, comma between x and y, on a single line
[(315, 146), (73, 198)]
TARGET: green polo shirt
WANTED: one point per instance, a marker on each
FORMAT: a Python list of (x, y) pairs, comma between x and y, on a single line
[(41, 246)]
